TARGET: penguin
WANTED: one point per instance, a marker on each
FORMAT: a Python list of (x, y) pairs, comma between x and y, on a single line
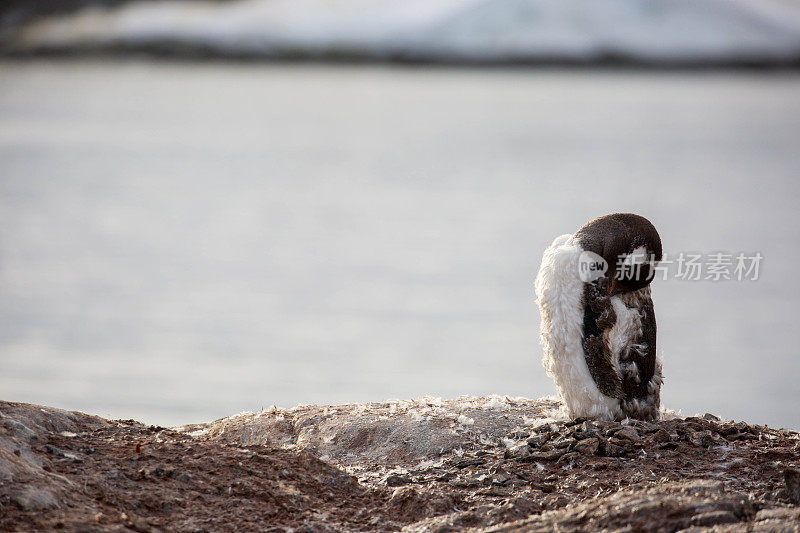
[(598, 325)]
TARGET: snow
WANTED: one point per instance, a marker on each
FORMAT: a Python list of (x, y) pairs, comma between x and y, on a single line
[(650, 31)]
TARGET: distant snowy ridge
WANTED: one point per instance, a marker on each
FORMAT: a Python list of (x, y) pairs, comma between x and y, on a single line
[(637, 31)]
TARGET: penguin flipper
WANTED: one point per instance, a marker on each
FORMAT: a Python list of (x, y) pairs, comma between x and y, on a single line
[(642, 352), (598, 316), (641, 369)]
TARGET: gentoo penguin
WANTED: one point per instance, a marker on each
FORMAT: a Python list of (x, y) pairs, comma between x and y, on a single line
[(598, 323)]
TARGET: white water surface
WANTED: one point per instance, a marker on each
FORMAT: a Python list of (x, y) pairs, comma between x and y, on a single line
[(180, 242)]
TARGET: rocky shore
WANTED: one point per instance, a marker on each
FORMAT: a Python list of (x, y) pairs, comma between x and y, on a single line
[(481, 464), (644, 33)]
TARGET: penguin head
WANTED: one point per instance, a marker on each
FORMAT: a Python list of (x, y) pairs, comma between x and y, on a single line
[(630, 246)]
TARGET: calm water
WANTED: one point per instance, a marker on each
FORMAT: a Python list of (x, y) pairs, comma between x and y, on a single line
[(183, 242)]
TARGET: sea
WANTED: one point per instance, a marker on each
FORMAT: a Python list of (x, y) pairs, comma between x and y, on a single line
[(182, 241)]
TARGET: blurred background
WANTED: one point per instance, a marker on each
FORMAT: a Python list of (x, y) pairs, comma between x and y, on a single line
[(211, 207)]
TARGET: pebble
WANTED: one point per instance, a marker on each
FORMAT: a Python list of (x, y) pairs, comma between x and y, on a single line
[(569, 457), (778, 514), (613, 450), (470, 462), (581, 435), (662, 435), (628, 433), (501, 479), (588, 446), (544, 487), (645, 427), (791, 478), (586, 430), (713, 518), (536, 441), (520, 451), (701, 438), (547, 456), (54, 450), (563, 442), (397, 480), (33, 499), (136, 523), (623, 443), (589, 426)]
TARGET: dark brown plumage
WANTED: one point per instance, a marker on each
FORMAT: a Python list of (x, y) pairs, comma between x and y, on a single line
[(616, 235), (631, 374)]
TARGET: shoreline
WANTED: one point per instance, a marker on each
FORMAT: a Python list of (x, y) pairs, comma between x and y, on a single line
[(647, 35)]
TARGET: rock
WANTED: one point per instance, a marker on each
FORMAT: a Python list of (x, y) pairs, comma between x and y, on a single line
[(609, 449), (470, 462), (712, 418), (642, 426), (791, 478), (536, 441), (408, 502), (790, 514), (580, 435), (546, 428), (745, 428), (34, 499), (586, 430), (547, 488), (662, 507), (662, 435), (552, 455), (562, 442), (713, 518), (137, 523), (700, 438), (396, 480), (628, 433), (520, 451), (568, 458), (501, 479), (54, 450), (462, 480), (624, 443), (588, 446)]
